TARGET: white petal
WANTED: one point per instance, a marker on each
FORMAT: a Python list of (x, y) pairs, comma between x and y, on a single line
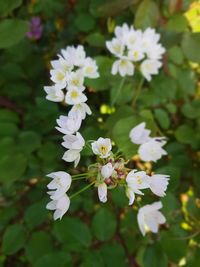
[(102, 192)]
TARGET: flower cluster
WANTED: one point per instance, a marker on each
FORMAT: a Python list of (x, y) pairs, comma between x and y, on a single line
[(110, 172), (151, 148), (59, 200), (132, 47), (68, 73), (110, 169)]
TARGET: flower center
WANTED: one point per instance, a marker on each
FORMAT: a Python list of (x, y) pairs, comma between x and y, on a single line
[(60, 76), (74, 94), (103, 149)]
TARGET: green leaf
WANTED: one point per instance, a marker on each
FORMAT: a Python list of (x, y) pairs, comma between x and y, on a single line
[(84, 22), (119, 197), (96, 39), (103, 8), (8, 116), (14, 239), (163, 118), (12, 31), (174, 247), (103, 82), (7, 146), (92, 259), (55, 259), (113, 255), (35, 214), (185, 134), (176, 55), (12, 167), (7, 215), (177, 23), (8, 129), (104, 224), (73, 233), (186, 81), (7, 6), (191, 110), (154, 257), (29, 141), (147, 14), (190, 46), (38, 245)]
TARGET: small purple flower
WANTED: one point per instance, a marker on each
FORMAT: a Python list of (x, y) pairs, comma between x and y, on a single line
[(35, 28)]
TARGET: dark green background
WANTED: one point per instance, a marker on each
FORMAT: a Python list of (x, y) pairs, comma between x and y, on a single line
[(93, 234)]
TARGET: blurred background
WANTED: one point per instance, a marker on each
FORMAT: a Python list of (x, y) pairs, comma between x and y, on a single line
[(92, 234)]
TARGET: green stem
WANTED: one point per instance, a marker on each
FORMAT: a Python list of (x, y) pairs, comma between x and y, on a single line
[(79, 178), (118, 91), (137, 93), (81, 190), (80, 174)]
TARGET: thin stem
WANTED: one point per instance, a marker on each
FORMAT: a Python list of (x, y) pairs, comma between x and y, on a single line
[(118, 91), (79, 178), (138, 90), (80, 174), (81, 190)]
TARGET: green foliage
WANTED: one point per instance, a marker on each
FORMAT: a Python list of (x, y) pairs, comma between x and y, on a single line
[(147, 14), (93, 234), (14, 239), (104, 224), (12, 31), (73, 233)]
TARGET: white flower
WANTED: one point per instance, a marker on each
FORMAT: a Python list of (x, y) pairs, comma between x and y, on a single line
[(62, 64), (149, 217), (102, 192), (102, 147), (139, 134), (73, 141), (158, 184), (149, 38), (54, 94), (130, 195), (75, 96), (76, 54), (133, 37), (60, 179), (136, 181), (59, 77), (75, 144), (116, 47), (80, 110), (68, 124), (60, 206), (90, 68), (75, 80), (150, 67), (107, 170), (123, 66), (155, 51), (61, 183), (152, 150), (136, 53), (121, 32), (72, 155)]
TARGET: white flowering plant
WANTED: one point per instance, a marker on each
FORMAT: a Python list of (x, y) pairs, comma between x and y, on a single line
[(99, 123), (110, 169)]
